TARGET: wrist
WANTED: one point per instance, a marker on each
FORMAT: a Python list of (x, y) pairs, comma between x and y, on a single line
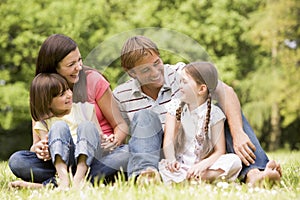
[(32, 148)]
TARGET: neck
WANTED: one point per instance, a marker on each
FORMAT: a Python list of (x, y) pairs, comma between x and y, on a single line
[(151, 92), (61, 114), (195, 105)]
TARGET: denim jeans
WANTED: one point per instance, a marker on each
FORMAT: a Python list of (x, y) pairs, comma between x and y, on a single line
[(61, 143), (145, 142), (261, 157), (27, 166)]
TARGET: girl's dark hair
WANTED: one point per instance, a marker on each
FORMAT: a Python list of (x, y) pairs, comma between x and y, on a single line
[(52, 51), (43, 89), (180, 135)]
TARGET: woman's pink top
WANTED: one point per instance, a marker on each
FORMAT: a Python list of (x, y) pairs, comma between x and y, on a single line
[(96, 87)]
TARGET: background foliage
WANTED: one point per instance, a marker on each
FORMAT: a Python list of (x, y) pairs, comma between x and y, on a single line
[(254, 44)]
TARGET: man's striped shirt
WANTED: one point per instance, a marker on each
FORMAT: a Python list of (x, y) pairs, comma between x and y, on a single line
[(131, 99)]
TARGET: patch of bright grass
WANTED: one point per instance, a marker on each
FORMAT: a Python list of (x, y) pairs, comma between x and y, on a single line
[(288, 188)]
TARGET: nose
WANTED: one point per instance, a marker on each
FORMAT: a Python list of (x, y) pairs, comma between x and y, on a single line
[(154, 71), (69, 93), (79, 66)]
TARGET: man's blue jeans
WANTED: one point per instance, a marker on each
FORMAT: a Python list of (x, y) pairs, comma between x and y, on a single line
[(145, 143), (261, 157)]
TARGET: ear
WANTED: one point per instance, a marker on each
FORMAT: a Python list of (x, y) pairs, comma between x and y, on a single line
[(131, 73), (202, 88)]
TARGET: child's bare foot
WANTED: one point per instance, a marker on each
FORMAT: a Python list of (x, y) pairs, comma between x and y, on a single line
[(63, 184), (271, 173), (24, 184), (148, 176)]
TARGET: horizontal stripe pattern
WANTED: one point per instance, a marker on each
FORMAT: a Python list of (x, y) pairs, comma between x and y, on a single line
[(131, 99)]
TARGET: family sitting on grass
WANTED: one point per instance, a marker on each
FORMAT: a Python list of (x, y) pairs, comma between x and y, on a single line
[(80, 125)]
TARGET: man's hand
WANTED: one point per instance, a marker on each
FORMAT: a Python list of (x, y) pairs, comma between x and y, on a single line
[(244, 148)]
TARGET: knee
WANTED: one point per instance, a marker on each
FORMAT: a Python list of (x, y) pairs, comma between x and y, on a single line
[(87, 129), (146, 119), (236, 161), (16, 161), (59, 129), (13, 160)]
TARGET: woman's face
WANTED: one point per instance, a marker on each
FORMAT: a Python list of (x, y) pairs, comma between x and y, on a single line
[(70, 66)]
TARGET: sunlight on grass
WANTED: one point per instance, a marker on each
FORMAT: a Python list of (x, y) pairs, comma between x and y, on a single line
[(288, 188)]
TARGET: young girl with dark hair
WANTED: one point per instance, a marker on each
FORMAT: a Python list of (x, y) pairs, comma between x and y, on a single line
[(70, 130)]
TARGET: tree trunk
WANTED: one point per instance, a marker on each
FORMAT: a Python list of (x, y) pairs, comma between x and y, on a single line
[(275, 128)]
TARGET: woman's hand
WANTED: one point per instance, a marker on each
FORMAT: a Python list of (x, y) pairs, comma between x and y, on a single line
[(109, 143), (41, 150)]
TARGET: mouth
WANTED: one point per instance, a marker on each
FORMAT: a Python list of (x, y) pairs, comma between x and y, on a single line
[(74, 75), (69, 102), (156, 79)]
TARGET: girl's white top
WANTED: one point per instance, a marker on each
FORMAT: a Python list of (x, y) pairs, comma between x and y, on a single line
[(193, 122)]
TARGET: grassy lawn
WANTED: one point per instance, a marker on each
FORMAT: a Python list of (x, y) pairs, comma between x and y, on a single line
[(288, 188)]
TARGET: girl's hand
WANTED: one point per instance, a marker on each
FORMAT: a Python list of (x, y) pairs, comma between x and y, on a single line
[(41, 150), (196, 171), (109, 143), (172, 166)]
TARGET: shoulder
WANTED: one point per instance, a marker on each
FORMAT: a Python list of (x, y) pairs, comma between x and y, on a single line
[(217, 114), (92, 74), (174, 70), (124, 89), (177, 67), (172, 106)]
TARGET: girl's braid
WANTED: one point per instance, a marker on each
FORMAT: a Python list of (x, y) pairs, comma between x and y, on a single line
[(179, 139), (207, 118)]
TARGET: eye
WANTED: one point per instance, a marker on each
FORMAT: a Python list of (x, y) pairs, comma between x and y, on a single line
[(146, 69), (156, 63), (71, 64), (183, 81)]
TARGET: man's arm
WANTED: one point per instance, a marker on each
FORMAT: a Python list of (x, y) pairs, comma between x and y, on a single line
[(230, 104)]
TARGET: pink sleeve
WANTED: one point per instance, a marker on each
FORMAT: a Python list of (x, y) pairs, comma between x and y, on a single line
[(96, 86)]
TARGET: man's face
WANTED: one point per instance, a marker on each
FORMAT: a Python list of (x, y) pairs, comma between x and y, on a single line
[(149, 71)]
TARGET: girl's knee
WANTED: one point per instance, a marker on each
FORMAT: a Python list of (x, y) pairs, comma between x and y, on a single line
[(59, 129)]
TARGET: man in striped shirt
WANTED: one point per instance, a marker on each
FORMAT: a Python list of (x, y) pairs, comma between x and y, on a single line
[(142, 102)]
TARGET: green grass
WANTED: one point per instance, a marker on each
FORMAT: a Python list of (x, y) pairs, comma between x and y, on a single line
[(288, 188)]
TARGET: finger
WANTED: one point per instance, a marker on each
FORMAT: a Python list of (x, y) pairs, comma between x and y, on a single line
[(109, 145), (251, 146), (110, 138), (248, 154), (242, 157)]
